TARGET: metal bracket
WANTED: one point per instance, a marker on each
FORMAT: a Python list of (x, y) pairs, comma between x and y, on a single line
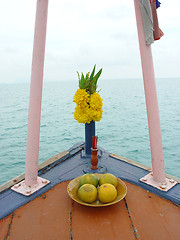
[(27, 191), (168, 184)]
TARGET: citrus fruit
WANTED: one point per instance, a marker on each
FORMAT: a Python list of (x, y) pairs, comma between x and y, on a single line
[(107, 193), (108, 178), (88, 178), (87, 193)]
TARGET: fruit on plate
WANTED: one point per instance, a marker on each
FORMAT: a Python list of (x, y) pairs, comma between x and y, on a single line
[(87, 193), (107, 193), (88, 178), (108, 178)]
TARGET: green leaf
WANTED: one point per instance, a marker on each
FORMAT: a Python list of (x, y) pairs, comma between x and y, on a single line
[(78, 76), (89, 82), (96, 77), (83, 81), (94, 81), (79, 79), (92, 74)]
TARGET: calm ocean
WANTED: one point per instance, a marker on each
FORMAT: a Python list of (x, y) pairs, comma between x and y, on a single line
[(123, 129)]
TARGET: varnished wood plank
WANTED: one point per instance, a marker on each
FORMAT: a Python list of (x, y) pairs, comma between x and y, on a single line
[(154, 217), (110, 222), (142, 215), (5, 225), (46, 217)]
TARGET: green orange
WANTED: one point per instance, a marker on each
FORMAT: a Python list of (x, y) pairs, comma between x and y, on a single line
[(88, 178), (108, 178), (87, 193)]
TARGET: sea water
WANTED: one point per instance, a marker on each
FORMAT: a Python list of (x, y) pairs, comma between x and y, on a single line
[(122, 130)]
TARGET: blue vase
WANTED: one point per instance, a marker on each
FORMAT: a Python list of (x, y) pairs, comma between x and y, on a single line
[(89, 133)]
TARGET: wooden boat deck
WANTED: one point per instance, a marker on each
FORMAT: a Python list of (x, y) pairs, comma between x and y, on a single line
[(141, 215), (52, 214)]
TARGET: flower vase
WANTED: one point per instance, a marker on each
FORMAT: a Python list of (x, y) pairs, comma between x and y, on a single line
[(94, 159), (89, 133)]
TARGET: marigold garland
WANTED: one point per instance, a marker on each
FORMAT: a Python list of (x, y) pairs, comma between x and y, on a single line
[(89, 102)]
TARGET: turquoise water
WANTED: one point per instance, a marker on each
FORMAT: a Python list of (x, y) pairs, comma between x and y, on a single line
[(123, 129)]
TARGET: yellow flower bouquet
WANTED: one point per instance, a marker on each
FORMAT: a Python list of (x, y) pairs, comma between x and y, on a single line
[(88, 101)]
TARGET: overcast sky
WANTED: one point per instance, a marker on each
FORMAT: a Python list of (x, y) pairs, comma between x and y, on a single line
[(83, 33)]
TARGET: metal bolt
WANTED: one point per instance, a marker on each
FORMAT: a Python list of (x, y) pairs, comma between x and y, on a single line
[(28, 191), (144, 179), (44, 181), (171, 180), (17, 185), (163, 186)]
